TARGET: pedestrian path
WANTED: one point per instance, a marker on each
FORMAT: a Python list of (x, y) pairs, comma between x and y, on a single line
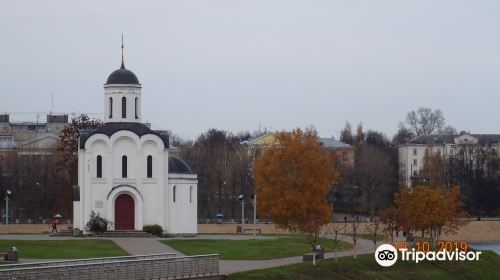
[(143, 246), (227, 267)]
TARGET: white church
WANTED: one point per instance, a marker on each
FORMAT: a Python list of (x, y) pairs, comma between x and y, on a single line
[(125, 171)]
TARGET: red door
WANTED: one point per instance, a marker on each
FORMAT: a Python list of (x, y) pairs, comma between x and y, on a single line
[(124, 212)]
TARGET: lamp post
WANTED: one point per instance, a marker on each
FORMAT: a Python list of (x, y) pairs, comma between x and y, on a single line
[(241, 198), (8, 193)]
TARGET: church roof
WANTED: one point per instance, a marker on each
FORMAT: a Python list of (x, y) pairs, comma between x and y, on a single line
[(111, 128), (177, 165), (122, 76)]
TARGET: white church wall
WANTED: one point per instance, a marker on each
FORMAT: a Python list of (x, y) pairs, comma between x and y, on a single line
[(182, 213), (130, 92), (125, 145), (76, 215), (99, 148), (150, 148)]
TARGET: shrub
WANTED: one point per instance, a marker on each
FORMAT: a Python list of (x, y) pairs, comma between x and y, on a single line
[(97, 224), (153, 229)]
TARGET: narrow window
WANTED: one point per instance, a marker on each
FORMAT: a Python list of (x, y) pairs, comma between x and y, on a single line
[(99, 167), (124, 107), (124, 166), (149, 168), (191, 194), (111, 107), (136, 113), (173, 195), (415, 151), (415, 162)]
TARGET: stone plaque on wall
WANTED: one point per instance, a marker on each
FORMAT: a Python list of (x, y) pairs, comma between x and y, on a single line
[(99, 204)]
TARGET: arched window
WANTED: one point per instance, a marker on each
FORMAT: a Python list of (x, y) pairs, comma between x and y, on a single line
[(99, 167), (149, 169), (136, 113), (124, 107), (173, 194), (191, 194), (111, 107), (124, 166)]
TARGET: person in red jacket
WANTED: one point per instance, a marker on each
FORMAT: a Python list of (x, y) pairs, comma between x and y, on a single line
[(53, 222)]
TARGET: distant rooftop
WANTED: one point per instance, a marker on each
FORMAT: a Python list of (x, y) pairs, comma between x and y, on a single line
[(450, 138), (50, 118), (333, 143)]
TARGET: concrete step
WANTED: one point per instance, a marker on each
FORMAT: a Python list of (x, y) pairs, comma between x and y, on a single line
[(124, 233)]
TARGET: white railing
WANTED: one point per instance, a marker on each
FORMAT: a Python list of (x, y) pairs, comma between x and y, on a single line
[(140, 267), (86, 261)]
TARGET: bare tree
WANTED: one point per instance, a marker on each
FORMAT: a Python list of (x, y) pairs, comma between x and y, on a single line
[(375, 229), (224, 171), (334, 229), (33, 179), (355, 225), (449, 130), (346, 134), (425, 121), (403, 135), (360, 135), (374, 176)]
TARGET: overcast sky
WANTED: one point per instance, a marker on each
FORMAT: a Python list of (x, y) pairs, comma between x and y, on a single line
[(237, 64)]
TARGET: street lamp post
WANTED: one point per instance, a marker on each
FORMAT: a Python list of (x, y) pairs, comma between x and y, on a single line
[(241, 198), (7, 195)]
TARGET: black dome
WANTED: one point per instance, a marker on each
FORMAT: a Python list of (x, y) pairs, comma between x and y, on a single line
[(177, 165), (122, 76)]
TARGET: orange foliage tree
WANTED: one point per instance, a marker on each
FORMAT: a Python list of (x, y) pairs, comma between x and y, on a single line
[(292, 180), (427, 208)]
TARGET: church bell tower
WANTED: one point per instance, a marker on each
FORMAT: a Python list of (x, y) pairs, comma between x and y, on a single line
[(122, 96)]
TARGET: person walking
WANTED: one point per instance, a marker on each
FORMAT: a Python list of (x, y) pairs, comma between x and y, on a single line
[(53, 222)]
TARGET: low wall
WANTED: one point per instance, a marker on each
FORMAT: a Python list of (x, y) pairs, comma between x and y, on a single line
[(231, 228), (477, 231), (473, 231), (29, 228)]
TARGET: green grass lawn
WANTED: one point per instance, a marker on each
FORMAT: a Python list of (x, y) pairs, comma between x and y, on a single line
[(63, 249), (258, 249), (365, 267)]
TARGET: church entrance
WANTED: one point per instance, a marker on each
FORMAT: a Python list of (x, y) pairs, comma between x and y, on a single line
[(124, 212)]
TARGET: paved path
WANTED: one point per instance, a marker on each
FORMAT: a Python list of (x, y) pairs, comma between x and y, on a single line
[(143, 246), (226, 237), (227, 267)]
